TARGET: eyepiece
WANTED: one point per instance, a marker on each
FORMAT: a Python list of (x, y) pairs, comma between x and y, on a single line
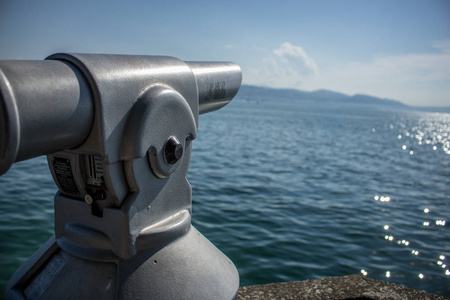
[(217, 82)]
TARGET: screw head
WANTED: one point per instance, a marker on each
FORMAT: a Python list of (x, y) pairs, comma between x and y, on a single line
[(88, 199), (173, 151)]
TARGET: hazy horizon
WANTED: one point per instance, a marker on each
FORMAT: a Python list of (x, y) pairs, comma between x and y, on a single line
[(349, 95)]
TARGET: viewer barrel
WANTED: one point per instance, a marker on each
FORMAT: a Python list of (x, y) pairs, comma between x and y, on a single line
[(45, 107)]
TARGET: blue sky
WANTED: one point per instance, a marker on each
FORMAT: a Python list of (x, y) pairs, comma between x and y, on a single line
[(393, 49)]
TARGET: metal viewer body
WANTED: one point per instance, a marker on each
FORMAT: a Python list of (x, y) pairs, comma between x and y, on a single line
[(118, 132)]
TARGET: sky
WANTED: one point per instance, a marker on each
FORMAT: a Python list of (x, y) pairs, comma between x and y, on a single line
[(396, 49)]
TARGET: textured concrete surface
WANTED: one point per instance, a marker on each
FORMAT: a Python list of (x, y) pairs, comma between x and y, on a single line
[(346, 287)]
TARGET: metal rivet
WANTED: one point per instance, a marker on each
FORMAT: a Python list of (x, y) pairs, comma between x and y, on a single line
[(88, 199), (173, 151)]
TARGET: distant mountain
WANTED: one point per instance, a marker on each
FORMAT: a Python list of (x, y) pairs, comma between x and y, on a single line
[(265, 93), (262, 93), (326, 95), (360, 98)]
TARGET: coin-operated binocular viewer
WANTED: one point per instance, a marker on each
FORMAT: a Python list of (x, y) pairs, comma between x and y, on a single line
[(118, 133)]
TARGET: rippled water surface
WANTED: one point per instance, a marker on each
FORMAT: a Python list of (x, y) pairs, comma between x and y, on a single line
[(293, 191)]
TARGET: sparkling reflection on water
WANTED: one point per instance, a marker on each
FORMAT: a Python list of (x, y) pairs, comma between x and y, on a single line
[(431, 131), (401, 242)]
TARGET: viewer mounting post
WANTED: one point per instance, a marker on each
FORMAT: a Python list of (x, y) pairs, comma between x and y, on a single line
[(118, 133)]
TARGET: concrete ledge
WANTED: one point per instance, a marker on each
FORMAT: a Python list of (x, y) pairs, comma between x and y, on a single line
[(346, 287)]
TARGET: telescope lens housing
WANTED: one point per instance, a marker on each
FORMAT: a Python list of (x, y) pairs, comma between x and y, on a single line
[(217, 82)]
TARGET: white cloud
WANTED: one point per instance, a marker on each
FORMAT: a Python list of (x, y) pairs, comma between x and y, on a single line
[(414, 78), (296, 57), (229, 46), (444, 46), (417, 79), (287, 67)]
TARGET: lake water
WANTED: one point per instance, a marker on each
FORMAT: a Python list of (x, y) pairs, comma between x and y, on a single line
[(294, 190)]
